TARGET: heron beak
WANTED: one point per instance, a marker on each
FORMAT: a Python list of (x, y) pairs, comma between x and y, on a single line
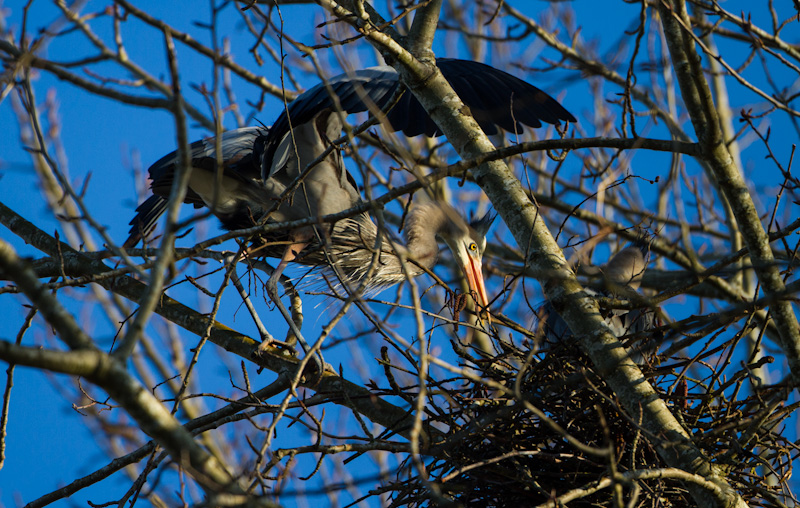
[(474, 272)]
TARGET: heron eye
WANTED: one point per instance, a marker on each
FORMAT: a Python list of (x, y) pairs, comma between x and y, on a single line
[(473, 247)]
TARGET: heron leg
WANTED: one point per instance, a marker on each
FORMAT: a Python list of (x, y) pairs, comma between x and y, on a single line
[(289, 255), (298, 244), (295, 320), (296, 336)]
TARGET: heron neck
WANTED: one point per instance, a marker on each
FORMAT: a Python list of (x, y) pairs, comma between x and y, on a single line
[(422, 225)]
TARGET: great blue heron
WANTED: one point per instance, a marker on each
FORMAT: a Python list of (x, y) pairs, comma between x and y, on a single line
[(260, 166), (622, 275)]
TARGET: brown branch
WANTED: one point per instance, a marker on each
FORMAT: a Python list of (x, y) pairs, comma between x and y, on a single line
[(109, 374), (224, 61), (360, 399)]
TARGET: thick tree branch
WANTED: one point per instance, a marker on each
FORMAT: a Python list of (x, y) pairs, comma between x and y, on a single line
[(339, 390), (523, 218), (700, 104), (110, 375)]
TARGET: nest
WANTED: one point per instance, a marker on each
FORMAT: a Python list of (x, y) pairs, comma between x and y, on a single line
[(499, 452)]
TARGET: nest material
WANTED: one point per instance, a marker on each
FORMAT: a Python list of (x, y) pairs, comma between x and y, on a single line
[(498, 453)]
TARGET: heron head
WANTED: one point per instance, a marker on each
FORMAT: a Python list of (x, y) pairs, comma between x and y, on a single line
[(627, 267), (467, 241)]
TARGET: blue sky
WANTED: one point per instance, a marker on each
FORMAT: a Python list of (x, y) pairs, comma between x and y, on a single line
[(102, 137)]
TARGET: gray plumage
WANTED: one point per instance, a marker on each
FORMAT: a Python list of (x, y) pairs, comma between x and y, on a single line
[(260, 164), (621, 275), (352, 247)]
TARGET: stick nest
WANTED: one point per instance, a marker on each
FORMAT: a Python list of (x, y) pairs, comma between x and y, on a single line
[(499, 451)]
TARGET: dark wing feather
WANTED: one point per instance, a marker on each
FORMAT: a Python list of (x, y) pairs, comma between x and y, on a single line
[(236, 145), (494, 97), (145, 220), (237, 150), (501, 94), (355, 92)]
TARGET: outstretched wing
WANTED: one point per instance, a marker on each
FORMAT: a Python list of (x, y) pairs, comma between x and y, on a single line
[(494, 97)]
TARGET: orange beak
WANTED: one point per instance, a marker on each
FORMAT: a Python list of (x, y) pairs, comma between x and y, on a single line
[(474, 272)]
